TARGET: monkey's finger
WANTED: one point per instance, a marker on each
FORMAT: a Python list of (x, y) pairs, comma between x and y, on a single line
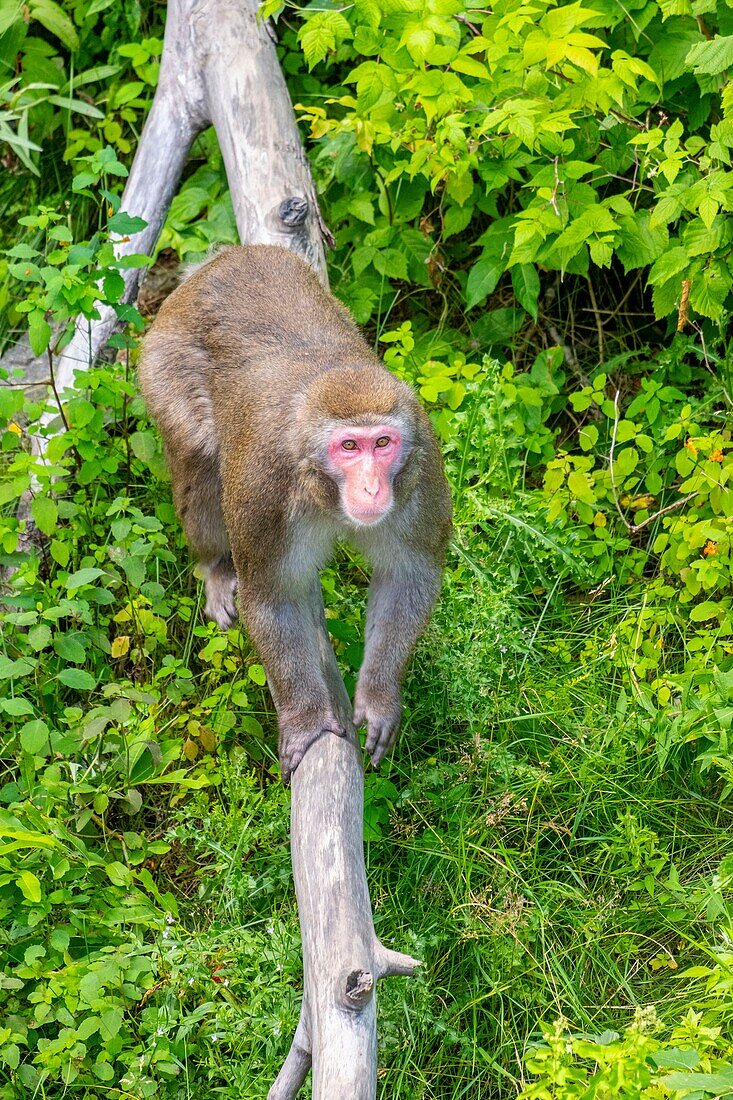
[(380, 740)]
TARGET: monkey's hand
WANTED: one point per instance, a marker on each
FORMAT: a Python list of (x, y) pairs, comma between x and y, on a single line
[(378, 709), (298, 731)]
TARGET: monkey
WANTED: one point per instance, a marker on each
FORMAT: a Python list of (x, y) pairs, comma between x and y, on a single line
[(284, 434)]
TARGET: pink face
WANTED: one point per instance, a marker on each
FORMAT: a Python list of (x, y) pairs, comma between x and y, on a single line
[(364, 457)]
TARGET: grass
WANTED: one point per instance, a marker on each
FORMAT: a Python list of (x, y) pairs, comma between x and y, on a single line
[(530, 851)]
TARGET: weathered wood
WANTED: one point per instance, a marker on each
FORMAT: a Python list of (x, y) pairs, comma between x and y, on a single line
[(342, 957), (219, 66)]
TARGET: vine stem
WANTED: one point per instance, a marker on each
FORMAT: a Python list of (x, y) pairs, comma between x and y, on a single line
[(62, 411), (634, 528)]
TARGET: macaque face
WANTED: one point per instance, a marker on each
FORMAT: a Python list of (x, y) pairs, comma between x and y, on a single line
[(364, 461)]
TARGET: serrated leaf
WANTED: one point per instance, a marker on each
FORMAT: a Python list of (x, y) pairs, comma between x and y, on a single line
[(144, 446), (271, 9), (419, 41), (391, 263), (362, 208), (125, 224), (710, 58), (321, 33)]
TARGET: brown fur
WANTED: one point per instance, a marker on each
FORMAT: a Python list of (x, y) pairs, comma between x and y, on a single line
[(247, 367)]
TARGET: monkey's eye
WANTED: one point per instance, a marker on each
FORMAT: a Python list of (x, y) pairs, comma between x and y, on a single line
[(349, 444), (383, 441)]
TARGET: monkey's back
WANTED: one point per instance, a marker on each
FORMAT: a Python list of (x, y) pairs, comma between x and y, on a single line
[(253, 301), (225, 338)]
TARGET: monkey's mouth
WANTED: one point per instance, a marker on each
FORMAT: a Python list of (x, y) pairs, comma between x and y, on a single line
[(368, 517)]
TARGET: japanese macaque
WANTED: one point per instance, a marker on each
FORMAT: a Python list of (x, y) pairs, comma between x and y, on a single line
[(284, 433)]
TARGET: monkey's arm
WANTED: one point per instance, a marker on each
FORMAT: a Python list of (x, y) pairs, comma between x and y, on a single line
[(401, 598), (286, 630)]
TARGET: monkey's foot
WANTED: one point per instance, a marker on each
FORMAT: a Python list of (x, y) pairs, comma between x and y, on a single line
[(297, 736), (221, 604), (381, 716)]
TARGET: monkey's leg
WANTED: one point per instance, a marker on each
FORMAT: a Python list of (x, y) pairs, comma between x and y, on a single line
[(401, 598), (197, 496), (287, 633), (329, 664)]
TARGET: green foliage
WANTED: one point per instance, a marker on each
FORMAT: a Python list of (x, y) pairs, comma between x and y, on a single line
[(470, 145), (551, 836)]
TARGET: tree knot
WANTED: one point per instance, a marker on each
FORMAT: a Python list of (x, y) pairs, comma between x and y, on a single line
[(293, 211), (359, 988)]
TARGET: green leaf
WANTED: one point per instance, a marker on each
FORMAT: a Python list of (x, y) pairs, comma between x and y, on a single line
[(45, 514), (626, 462), (257, 675), (482, 280), (125, 224), (638, 244), (271, 9), (60, 552), (526, 284), (70, 647), (16, 707), (361, 206), (118, 874), (701, 612), (39, 331), (710, 58), (30, 886), (716, 1084), (580, 486), (321, 33), (672, 262), (391, 262), (34, 736), (144, 446), (419, 41), (77, 678), (39, 637), (55, 20), (83, 576), (111, 1020)]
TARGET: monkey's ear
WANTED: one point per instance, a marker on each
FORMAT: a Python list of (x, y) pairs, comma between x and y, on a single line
[(300, 411)]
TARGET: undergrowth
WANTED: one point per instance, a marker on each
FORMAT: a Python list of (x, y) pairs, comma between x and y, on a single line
[(518, 204)]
